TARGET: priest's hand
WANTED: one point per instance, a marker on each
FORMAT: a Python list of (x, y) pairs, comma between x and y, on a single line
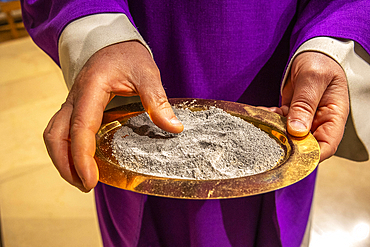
[(315, 98), (124, 69)]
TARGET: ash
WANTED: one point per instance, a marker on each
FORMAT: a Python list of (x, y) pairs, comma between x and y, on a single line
[(213, 145)]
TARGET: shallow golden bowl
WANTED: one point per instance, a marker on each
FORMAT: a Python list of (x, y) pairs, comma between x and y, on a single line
[(301, 157)]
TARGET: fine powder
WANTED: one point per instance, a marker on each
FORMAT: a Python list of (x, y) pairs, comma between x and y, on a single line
[(213, 145)]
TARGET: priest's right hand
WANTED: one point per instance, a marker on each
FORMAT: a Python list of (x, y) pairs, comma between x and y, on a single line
[(125, 69)]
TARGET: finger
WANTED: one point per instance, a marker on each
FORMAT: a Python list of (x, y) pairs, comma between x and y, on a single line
[(283, 110), (287, 93), (143, 79), (155, 102), (56, 138), (326, 129), (162, 115), (317, 95), (85, 122), (331, 117), (307, 92)]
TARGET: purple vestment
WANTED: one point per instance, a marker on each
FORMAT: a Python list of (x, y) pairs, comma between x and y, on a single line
[(231, 50)]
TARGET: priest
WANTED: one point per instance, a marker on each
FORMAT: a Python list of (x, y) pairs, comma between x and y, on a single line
[(302, 59)]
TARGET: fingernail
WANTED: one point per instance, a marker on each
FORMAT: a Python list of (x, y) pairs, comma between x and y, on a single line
[(175, 121), (297, 125)]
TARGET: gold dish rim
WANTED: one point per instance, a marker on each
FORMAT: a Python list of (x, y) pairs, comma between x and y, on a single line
[(301, 157)]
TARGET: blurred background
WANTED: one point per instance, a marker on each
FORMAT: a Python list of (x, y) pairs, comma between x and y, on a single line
[(37, 208)]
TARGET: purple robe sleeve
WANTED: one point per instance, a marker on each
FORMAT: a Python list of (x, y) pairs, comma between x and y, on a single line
[(46, 19), (338, 19)]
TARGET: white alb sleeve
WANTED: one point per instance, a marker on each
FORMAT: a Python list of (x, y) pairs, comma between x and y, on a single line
[(83, 37)]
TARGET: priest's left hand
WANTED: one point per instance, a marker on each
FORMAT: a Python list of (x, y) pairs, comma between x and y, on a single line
[(315, 98)]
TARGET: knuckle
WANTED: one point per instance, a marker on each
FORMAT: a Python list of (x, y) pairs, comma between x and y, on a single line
[(303, 105), (47, 136), (157, 103), (333, 149), (136, 78), (149, 73), (77, 123), (162, 103), (158, 99), (317, 73)]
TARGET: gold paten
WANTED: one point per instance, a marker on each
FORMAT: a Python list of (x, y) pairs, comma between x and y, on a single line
[(301, 157)]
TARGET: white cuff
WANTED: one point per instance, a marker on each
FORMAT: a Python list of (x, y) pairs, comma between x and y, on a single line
[(87, 35), (355, 63)]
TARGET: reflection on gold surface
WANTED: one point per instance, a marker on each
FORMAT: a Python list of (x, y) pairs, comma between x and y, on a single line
[(300, 159)]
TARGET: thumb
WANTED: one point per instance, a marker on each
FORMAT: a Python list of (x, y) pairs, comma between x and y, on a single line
[(138, 74), (303, 99), (299, 120), (161, 113), (154, 100)]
